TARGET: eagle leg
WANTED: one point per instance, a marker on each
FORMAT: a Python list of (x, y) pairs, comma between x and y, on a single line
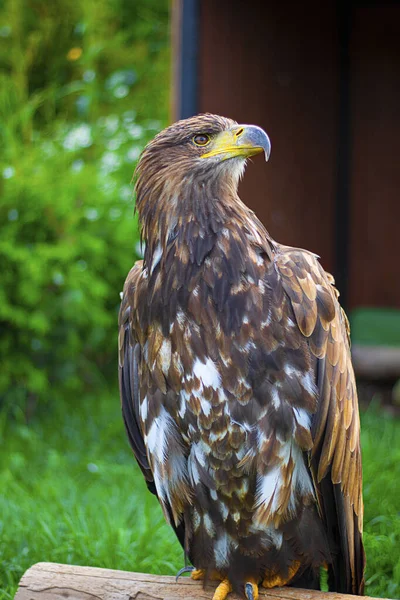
[(272, 580)]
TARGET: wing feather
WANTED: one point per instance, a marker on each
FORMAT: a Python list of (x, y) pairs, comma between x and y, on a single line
[(129, 356), (335, 459), (129, 385)]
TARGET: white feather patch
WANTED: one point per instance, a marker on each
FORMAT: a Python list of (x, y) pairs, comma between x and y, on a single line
[(302, 417), (165, 355), (161, 493), (268, 488), (156, 439), (196, 456), (267, 321), (224, 510), (207, 372), (221, 550), (213, 494), (183, 399), (193, 472), (143, 409), (196, 519), (290, 322), (289, 370), (156, 258), (276, 401), (205, 406), (198, 451), (209, 525), (308, 380)]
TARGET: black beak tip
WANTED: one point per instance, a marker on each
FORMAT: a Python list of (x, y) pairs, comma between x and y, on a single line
[(267, 151), (266, 145)]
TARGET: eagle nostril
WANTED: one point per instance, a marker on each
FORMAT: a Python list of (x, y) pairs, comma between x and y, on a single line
[(239, 132)]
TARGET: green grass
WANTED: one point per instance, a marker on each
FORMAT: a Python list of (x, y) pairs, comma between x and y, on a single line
[(70, 493), (381, 463)]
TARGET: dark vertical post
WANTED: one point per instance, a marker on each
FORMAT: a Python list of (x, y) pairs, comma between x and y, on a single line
[(189, 55), (342, 212)]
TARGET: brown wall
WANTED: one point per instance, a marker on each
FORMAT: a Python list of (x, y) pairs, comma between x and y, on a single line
[(375, 185), (277, 68), (278, 65)]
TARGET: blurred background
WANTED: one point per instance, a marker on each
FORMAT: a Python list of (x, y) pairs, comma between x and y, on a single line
[(83, 87)]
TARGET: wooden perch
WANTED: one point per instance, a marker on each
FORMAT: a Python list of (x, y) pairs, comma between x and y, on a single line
[(50, 581)]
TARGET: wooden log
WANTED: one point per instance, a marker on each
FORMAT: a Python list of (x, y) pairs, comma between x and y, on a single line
[(51, 581), (376, 362)]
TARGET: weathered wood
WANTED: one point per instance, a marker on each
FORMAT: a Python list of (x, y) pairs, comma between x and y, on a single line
[(50, 581)]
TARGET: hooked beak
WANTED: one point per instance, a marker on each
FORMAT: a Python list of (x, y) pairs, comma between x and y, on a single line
[(243, 140)]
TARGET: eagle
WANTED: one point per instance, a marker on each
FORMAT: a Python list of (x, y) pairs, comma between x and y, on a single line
[(237, 389)]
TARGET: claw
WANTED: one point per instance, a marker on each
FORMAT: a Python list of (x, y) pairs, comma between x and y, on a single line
[(222, 590), (189, 569), (251, 591)]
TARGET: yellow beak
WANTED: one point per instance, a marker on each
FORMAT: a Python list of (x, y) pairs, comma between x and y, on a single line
[(243, 140)]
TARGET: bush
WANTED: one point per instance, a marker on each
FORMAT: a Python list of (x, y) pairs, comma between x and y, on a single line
[(77, 107)]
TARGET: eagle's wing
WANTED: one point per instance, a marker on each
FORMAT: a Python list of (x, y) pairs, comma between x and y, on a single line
[(129, 357), (335, 459), (129, 349)]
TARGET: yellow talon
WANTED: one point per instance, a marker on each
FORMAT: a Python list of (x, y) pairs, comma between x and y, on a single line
[(197, 574), (222, 590)]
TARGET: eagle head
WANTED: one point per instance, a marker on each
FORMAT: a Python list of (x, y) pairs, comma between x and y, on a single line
[(200, 157), (200, 145)]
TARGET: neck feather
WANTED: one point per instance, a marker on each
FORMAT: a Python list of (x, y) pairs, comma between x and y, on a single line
[(192, 211)]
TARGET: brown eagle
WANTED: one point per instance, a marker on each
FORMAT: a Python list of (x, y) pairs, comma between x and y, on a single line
[(237, 388)]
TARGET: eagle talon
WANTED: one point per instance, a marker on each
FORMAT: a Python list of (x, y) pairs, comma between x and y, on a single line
[(251, 591), (188, 569)]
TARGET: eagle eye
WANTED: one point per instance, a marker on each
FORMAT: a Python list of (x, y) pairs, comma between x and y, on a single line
[(201, 139)]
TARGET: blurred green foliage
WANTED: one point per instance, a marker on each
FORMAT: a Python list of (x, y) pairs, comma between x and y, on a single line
[(83, 86)]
